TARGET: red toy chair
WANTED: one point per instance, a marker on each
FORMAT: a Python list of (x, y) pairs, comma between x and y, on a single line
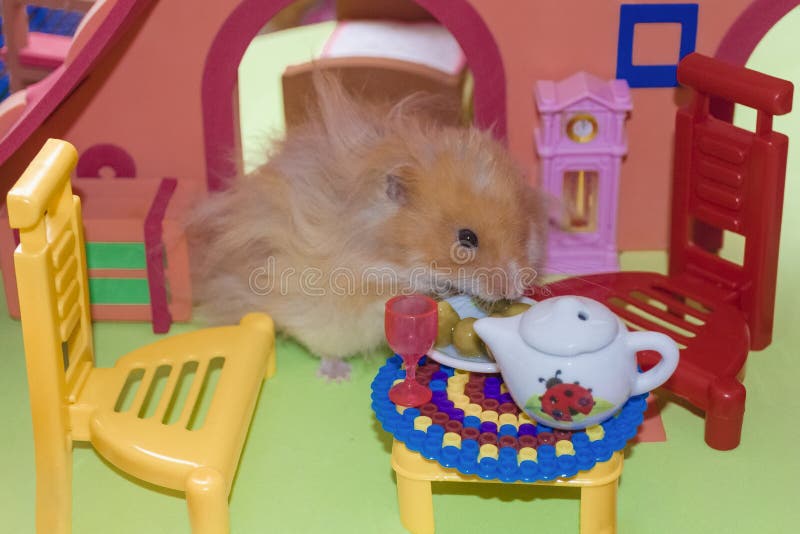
[(726, 178)]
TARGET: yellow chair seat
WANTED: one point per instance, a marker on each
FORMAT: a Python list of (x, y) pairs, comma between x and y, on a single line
[(164, 454)]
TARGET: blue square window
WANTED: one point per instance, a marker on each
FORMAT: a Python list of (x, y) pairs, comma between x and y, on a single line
[(653, 75)]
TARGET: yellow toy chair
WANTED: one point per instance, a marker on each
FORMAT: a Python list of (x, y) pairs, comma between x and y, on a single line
[(71, 400)]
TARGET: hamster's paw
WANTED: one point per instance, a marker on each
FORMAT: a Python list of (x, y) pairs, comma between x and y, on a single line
[(334, 370)]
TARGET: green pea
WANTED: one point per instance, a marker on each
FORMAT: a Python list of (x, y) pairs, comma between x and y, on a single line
[(466, 340), (447, 323)]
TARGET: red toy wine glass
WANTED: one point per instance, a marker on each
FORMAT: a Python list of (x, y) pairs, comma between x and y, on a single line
[(411, 324)]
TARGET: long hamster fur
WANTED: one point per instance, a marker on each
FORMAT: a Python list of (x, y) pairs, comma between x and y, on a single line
[(362, 202)]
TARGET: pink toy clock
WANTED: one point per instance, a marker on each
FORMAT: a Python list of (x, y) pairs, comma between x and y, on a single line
[(581, 143)]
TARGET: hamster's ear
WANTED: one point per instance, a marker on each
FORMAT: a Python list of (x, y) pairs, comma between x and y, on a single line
[(396, 189)]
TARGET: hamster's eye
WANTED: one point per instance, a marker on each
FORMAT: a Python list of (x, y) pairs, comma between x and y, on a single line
[(467, 238)]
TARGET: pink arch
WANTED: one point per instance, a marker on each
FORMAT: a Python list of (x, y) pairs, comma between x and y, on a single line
[(230, 43), (744, 35)]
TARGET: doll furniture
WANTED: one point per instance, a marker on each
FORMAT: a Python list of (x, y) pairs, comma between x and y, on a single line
[(165, 438), (384, 61), (581, 143), (138, 256), (32, 55), (32, 90), (137, 253), (385, 50), (727, 178), (400, 10), (472, 431), (598, 490)]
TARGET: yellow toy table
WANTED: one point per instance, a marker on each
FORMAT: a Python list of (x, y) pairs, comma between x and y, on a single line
[(414, 476), (471, 431)]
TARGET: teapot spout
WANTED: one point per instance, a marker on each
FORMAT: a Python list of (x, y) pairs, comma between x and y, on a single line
[(501, 336)]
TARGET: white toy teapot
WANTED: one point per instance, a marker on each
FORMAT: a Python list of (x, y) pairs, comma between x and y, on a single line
[(569, 362)]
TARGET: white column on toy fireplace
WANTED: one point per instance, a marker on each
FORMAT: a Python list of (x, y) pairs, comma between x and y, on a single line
[(581, 142)]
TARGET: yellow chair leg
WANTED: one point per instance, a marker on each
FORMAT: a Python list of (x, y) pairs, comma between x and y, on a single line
[(53, 453), (207, 499), (599, 509), (54, 499), (415, 501)]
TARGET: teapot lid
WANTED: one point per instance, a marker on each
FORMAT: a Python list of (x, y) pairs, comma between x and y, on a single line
[(568, 326)]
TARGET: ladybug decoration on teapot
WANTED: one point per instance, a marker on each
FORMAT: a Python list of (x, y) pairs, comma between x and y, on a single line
[(562, 401)]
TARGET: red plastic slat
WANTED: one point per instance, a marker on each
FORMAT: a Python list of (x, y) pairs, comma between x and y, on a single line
[(719, 172), (646, 324), (722, 197), (719, 149)]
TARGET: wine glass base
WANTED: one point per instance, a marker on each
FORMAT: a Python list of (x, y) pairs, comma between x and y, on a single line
[(410, 393)]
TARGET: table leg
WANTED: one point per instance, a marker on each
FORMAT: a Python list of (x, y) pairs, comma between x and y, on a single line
[(599, 509), (416, 504)]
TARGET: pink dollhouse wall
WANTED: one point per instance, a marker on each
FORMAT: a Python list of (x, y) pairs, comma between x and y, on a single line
[(147, 93)]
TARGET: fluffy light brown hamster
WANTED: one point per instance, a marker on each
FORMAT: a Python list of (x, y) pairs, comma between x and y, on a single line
[(360, 203)]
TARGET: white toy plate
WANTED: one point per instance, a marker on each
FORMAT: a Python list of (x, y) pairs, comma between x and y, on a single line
[(450, 356)]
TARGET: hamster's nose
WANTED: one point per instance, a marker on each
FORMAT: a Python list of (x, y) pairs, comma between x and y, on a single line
[(515, 282)]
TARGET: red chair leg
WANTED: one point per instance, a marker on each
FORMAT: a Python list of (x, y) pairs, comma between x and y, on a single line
[(725, 413)]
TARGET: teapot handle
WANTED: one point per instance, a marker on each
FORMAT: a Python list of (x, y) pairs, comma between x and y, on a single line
[(659, 374)]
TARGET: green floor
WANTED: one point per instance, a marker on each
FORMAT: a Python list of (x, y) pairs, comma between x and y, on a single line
[(317, 462)]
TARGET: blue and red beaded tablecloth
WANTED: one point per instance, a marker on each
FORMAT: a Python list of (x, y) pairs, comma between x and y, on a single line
[(473, 425)]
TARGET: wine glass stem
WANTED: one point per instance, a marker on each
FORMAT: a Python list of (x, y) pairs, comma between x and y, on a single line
[(411, 371)]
